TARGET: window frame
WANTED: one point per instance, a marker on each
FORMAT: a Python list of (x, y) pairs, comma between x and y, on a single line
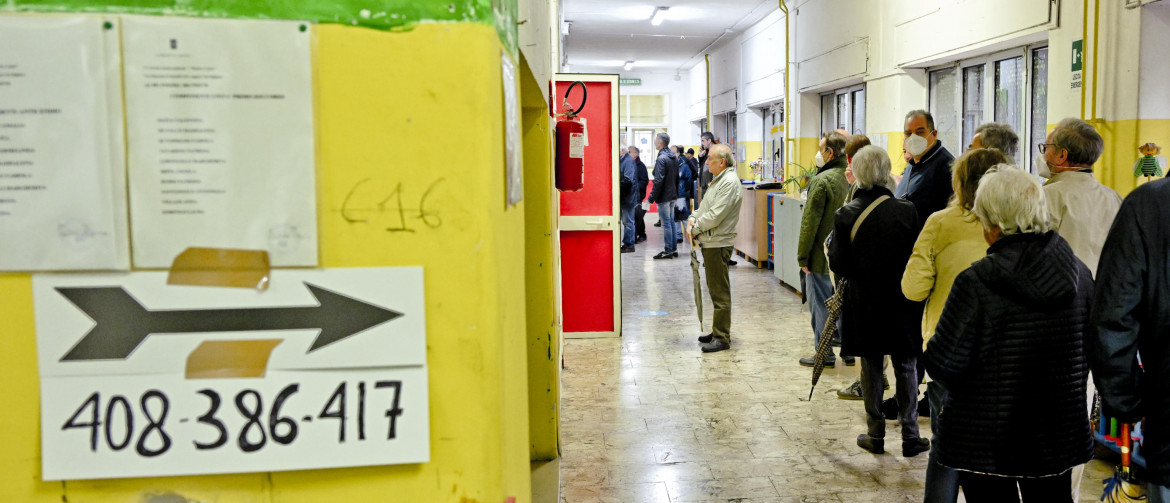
[(851, 103)]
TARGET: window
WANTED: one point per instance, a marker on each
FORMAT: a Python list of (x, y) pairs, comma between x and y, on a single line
[(1010, 87), (643, 109), (844, 109)]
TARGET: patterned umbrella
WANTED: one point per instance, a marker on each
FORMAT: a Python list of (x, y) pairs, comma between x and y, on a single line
[(698, 288), (825, 345)]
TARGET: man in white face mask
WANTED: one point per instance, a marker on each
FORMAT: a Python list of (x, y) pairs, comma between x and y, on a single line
[(927, 179), (1082, 209)]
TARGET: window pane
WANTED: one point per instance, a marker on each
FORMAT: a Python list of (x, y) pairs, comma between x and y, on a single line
[(943, 86), (1039, 126), (828, 113), (972, 103), (842, 112), (859, 112), (1009, 93), (647, 108)]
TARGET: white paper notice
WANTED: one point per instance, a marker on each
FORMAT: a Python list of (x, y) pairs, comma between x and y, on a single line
[(220, 124), (62, 182), (343, 381)]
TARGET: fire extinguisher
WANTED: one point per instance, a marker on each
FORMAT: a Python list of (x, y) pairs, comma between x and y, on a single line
[(570, 157)]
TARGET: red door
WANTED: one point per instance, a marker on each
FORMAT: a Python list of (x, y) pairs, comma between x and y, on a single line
[(589, 219)]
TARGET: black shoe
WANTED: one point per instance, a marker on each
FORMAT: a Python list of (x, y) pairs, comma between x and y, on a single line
[(662, 255), (923, 407), (658, 223), (812, 361), (849, 360), (679, 240), (675, 254), (706, 338), (715, 345), (914, 447), (874, 445), (730, 262), (627, 249), (639, 239), (890, 409)]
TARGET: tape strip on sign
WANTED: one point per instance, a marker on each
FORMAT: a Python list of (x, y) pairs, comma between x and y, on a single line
[(230, 359), (576, 146), (220, 267)]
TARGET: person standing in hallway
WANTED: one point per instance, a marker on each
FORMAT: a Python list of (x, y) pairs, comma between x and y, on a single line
[(826, 194), (1131, 312), (682, 208), (872, 238), (643, 182), (706, 140), (1081, 208), (950, 242), (927, 180), (628, 195), (1009, 348), (713, 227), (664, 193), (998, 136)]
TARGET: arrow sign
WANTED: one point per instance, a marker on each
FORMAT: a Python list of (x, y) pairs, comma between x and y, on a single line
[(123, 323)]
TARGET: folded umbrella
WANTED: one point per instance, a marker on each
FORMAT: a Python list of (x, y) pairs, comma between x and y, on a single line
[(698, 287), (825, 344)]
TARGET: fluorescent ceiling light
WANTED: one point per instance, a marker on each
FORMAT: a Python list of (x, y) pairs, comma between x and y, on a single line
[(659, 15), (629, 65)]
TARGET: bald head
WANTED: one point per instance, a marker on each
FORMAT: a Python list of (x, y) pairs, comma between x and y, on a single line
[(719, 159)]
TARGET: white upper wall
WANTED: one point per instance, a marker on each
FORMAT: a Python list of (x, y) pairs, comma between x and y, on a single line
[(762, 62)]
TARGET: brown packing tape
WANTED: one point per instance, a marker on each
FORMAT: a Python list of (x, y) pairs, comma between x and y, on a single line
[(220, 267), (230, 359)]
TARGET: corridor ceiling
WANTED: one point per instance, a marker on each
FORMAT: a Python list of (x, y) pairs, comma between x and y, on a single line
[(604, 34)]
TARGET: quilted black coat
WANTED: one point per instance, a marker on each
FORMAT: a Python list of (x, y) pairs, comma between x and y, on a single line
[(1009, 348), (1132, 313), (876, 319)]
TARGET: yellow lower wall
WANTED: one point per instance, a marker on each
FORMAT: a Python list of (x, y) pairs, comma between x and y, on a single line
[(752, 151), (386, 103)]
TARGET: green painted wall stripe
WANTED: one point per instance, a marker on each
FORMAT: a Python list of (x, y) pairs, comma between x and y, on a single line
[(377, 14)]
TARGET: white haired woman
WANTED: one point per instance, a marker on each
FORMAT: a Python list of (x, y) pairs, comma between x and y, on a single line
[(1008, 348), (872, 238)]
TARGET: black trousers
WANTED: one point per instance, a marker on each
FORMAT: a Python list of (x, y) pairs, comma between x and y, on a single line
[(639, 222), (980, 488)]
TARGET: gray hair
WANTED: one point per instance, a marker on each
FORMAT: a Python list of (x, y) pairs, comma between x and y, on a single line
[(1011, 199), (835, 141), (1080, 139), (921, 113), (665, 139), (999, 136), (720, 151), (871, 166), (635, 149)]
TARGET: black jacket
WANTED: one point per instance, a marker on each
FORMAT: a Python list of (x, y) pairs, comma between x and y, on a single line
[(643, 179), (1131, 313), (927, 184), (665, 177), (1009, 349), (876, 319)]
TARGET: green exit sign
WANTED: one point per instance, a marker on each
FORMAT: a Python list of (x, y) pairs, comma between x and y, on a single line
[(1077, 55), (630, 82)]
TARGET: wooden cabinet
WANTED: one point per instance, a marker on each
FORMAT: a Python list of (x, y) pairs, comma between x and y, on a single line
[(786, 213), (752, 230)]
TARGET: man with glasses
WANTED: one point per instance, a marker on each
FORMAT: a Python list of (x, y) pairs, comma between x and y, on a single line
[(1082, 209)]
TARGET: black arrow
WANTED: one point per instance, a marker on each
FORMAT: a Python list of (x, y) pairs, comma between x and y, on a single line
[(123, 323)]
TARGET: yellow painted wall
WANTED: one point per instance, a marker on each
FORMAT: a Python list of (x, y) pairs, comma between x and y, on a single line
[(752, 151), (544, 348), (422, 108), (1115, 168)]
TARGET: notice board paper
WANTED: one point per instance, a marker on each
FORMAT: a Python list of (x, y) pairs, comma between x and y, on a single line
[(62, 181), (220, 125)]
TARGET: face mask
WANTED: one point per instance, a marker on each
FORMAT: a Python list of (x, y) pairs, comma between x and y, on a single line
[(820, 160), (1042, 167), (916, 145)]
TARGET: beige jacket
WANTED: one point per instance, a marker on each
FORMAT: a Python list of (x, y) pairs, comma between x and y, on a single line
[(1082, 211), (949, 243), (715, 219)]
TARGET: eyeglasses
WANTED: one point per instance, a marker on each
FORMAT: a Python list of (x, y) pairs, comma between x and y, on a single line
[(1044, 146)]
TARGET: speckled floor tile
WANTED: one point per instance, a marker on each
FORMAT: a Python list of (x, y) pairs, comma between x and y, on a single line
[(649, 418)]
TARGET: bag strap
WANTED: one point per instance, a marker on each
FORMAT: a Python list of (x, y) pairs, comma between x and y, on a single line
[(868, 209)]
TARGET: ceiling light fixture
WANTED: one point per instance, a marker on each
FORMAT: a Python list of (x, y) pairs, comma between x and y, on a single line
[(629, 65), (659, 16)]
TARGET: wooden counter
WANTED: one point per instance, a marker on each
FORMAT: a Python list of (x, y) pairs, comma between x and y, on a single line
[(752, 238)]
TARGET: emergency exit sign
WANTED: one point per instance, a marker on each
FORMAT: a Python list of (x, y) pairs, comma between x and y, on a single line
[(630, 82), (1077, 55)]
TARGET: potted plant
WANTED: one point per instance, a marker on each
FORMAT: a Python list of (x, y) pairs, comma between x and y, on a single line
[(795, 183)]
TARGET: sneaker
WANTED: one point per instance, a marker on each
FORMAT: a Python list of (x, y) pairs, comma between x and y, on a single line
[(874, 445), (706, 338), (715, 345), (812, 361), (627, 249), (853, 392), (851, 361), (911, 448), (662, 255)]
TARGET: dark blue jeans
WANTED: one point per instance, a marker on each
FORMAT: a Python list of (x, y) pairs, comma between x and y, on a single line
[(942, 483), (666, 214), (627, 226)]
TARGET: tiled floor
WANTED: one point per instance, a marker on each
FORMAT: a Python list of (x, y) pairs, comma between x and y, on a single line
[(648, 418)]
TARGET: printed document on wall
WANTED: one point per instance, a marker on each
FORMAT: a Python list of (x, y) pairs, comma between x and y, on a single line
[(62, 182), (220, 125)]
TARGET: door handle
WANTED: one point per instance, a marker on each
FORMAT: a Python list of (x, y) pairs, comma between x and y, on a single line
[(595, 222)]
